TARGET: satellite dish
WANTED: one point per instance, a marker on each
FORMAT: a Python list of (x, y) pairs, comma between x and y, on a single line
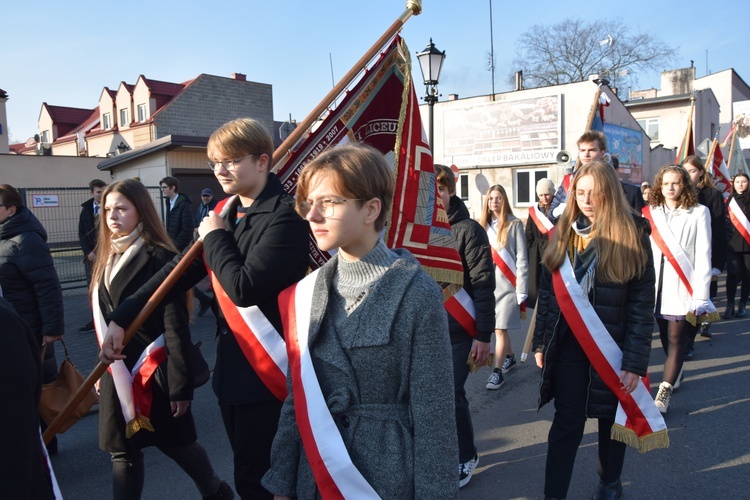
[(36, 137)]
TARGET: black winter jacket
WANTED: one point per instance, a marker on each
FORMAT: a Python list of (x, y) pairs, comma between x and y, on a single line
[(479, 273), (87, 225), (627, 311), (28, 276), (737, 243), (254, 259), (180, 221), (712, 199)]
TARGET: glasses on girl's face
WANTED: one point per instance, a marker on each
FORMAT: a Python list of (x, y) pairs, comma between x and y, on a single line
[(324, 206), (229, 165)]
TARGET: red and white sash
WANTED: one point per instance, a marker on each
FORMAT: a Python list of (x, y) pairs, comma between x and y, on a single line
[(462, 309), (133, 387), (671, 249), (541, 221), (638, 422), (335, 474), (262, 345), (507, 265), (739, 221)]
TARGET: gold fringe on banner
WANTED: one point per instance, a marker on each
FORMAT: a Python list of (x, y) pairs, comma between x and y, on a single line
[(653, 441)]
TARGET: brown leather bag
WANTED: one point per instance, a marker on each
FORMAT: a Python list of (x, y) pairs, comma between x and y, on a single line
[(59, 392)]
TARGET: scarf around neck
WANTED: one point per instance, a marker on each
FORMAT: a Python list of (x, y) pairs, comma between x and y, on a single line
[(122, 251)]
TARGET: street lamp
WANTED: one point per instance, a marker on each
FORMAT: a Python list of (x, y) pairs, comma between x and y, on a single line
[(431, 62)]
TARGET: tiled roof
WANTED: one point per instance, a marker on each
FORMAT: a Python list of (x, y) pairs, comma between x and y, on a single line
[(17, 148), (163, 88), (65, 115), (86, 126)]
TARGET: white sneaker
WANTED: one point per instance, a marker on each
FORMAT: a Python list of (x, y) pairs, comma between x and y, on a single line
[(662, 397), (466, 470)]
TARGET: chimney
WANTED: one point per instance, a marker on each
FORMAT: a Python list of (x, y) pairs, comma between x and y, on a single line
[(519, 80), (239, 77), (452, 97)]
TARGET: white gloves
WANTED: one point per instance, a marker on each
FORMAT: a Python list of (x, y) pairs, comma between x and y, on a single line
[(699, 306), (559, 209), (521, 298)]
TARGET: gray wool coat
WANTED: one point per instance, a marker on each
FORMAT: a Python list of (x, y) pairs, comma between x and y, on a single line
[(389, 388), (507, 311)]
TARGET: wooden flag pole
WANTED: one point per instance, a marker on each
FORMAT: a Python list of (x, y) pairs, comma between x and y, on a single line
[(100, 368), (731, 151), (710, 157), (413, 7)]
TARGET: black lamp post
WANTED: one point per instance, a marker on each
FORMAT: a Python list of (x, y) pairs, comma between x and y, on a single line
[(431, 62)]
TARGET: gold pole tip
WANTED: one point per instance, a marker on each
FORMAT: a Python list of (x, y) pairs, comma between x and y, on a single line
[(415, 6)]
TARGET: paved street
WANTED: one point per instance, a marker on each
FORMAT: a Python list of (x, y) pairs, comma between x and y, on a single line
[(709, 429)]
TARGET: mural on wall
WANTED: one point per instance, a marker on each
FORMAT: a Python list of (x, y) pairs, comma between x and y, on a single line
[(503, 133), (627, 145)]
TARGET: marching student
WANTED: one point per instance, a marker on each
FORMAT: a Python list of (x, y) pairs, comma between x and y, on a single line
[(132, 246), (538, 233), (738, 255), (710, 197), (370, 359), (508, 244), (681, 244), (593, 330), (259, 248), (479, 284)]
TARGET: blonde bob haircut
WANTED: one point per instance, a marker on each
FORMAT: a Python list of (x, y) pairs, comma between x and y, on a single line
[(620, 253), (503, 221), (357, 171), (239, 138), (153, 232), (688, 198)]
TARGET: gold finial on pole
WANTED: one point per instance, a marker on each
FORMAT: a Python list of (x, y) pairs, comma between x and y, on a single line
[(415, 6)]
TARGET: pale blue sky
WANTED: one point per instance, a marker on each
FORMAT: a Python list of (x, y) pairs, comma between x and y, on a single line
[(64, 53)]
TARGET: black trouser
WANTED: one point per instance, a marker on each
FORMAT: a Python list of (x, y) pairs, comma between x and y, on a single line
[(571, 385), (251, 429), (738, 269), (128, 472), (464, 426)]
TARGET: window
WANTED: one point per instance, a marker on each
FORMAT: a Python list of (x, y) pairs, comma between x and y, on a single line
[(462, 186), (124, 117), (651, 127), (142, 113), (45, 136), (106, 121), (525, 185)]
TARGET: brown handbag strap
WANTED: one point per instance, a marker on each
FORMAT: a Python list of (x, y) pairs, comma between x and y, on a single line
[(65, 348)]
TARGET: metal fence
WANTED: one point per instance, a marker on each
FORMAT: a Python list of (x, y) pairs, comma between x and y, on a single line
[(58, 209)]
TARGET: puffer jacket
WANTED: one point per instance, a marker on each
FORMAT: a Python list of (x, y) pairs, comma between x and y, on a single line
[(479, 275), (627, 313), (28, 276)]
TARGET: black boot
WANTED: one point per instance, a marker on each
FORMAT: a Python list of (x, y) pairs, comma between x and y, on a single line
[(608, 491), (729, 312), (224, 493), (741, 312)]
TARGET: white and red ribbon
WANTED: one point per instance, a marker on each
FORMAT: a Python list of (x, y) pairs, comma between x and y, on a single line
[(462, 309), (542, 223), (504, 261), (739, 220), (133, 387), (636, 411), (259, 341), (335, 474)]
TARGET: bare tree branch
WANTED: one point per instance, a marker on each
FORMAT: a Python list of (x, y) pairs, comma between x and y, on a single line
[(570, 51)]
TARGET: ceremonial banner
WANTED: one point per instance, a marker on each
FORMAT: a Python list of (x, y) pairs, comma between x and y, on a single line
[(718, 169), (382, 111), (687, 146)]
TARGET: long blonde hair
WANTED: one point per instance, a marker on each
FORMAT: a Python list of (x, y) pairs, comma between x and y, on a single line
[(153, 232), (620, 254), (504, 220)]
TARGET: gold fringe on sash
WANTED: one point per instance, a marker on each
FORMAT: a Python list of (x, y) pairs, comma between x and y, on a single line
[(138, 423), (653, 441), (704, 318), (474, 367)]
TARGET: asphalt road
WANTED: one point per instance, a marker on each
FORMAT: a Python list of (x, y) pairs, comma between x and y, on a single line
[(709, 429)]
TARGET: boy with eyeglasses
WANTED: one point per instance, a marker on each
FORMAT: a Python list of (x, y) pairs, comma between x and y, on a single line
[(257, 247)]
